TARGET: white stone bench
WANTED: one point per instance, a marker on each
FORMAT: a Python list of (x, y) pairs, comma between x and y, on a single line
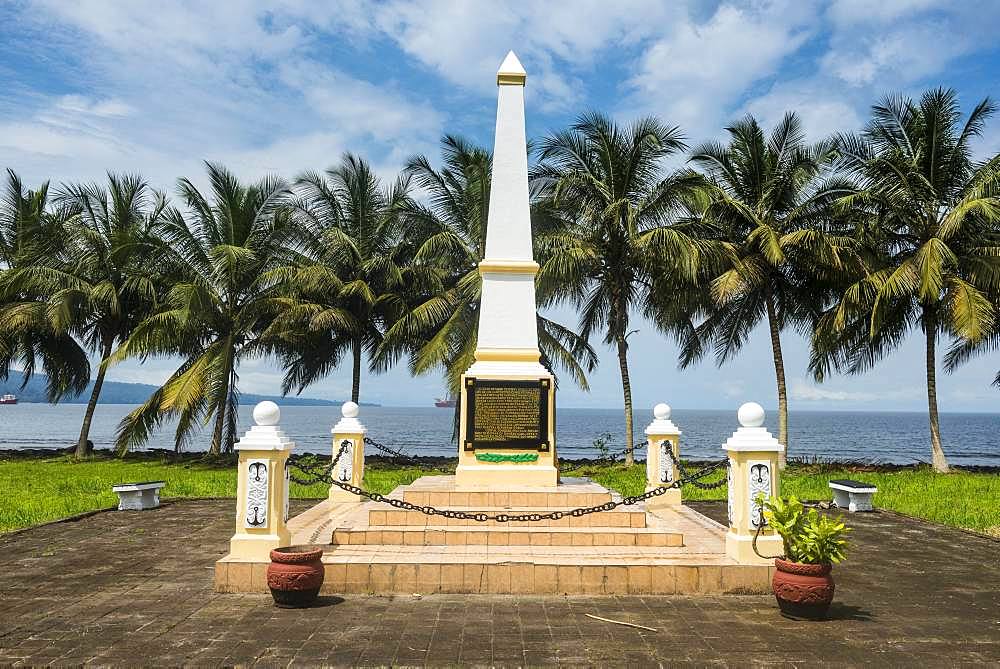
[(138, 496), (853, 495)]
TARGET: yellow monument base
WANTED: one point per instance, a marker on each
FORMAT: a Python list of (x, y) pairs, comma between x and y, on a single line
[(513, 406), (373, 548)]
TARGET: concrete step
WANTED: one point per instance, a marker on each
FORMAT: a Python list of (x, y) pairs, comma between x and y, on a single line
[(445, 535), (619, 517), (441, 491), (680, 574), (528, 499)]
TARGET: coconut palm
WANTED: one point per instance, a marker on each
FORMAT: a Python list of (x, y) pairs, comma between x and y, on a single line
[(104, 283), (771, 203), (219, 260), (439, 331), (30, 223), (618, 240), (930, 220), (350, 286), (32, 233)]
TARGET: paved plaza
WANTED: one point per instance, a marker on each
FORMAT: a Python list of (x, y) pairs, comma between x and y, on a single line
[(135, 588)]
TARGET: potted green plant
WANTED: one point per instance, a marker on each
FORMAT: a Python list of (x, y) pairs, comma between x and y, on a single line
[(813, 543)]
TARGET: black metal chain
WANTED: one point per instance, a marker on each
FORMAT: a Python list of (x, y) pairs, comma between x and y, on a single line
[(307, 461), (683, 471), (610, 457), (613, 457), (299, 463), (403, 458)]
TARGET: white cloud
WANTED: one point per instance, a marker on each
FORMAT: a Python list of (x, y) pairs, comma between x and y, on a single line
[(822, 112), (852, 12), (172, 85), (863, 60), (896, 42), (106, 108), (735, 389), (808, 392), (465, 41), (697, 70)]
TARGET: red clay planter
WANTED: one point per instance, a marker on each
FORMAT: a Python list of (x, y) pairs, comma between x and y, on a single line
[(295, 575), (803, 590)]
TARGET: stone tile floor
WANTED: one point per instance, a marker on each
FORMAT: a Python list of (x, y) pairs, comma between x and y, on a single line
[(135, 588)]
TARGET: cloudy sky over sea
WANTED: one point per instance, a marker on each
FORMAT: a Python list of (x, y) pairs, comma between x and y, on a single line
[(156, 87)]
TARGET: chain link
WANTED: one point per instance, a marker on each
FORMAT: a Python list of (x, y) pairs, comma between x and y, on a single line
[(693, 481), (306, 463), (302, 464), (403, 458)]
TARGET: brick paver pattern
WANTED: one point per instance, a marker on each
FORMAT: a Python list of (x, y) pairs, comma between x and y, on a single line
[(135, 588)]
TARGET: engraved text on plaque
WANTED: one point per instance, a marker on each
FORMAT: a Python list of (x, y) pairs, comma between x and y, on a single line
[(506, 414)]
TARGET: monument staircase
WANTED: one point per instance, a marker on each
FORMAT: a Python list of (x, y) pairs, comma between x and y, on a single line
[(375, 549)]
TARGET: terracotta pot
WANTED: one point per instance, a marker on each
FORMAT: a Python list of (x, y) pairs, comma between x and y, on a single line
[(295, 575), (803, 590)]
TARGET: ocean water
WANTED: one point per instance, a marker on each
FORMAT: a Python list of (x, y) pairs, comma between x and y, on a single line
[(890, 437)]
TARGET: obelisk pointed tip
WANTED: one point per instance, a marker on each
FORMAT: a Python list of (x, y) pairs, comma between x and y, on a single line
[(511, 71)]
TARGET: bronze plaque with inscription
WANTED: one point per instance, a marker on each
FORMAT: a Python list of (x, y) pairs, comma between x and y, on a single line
[(506, 414)]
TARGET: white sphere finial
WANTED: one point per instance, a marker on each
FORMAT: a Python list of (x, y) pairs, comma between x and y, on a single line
[(350, 410), (751, 414), (266, 413), (661, 411)]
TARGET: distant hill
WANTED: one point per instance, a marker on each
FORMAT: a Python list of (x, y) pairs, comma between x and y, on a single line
[(116, 392)]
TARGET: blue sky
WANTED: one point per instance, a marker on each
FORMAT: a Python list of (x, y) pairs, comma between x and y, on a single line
[(157, 87)]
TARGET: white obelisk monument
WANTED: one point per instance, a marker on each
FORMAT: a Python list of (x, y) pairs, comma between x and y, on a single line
[(508, 398)]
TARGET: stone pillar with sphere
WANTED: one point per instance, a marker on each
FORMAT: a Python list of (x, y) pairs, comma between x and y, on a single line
[(262, 487), (753, 471), (662, 439), (349, 453)]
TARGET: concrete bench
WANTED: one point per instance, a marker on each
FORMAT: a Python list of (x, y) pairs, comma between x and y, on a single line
[(853, 495), (138, 496)]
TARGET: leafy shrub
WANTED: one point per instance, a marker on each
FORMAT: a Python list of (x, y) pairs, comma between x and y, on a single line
[(808, 536)]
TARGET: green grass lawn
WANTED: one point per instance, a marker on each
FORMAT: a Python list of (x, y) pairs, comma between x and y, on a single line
[(37, 490)]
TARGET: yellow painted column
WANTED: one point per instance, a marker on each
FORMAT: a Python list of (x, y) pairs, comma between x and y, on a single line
[(262, 487), (753, 470), (348, 433), (661, 435)]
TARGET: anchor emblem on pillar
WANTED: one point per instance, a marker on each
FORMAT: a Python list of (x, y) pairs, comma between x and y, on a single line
[(258, 472), (255, 519)]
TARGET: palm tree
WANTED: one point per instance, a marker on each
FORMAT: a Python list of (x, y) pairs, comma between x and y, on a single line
[(618, 239), (770, 202), (104, 283), (929, 223), (439, 330), (32, 232), (349, 288), (30, 226), (219, 261)]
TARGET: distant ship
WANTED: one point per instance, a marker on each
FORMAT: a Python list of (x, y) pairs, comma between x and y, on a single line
[(8, 399), (444, 404)]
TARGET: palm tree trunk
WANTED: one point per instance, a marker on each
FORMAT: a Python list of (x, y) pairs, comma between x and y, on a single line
[(222, 405), (220, 421), (627, 392), (356, 376), (938, 459), (88, 417), (779, 374)]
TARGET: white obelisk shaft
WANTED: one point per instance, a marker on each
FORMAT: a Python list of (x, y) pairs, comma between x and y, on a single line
[(508, 339), (507, 348)]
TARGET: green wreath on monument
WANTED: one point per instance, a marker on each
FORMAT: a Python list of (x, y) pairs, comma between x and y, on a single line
[(507, 457)]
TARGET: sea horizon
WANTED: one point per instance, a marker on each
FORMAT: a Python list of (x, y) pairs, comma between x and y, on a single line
[(636, 411), (876, 436)]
